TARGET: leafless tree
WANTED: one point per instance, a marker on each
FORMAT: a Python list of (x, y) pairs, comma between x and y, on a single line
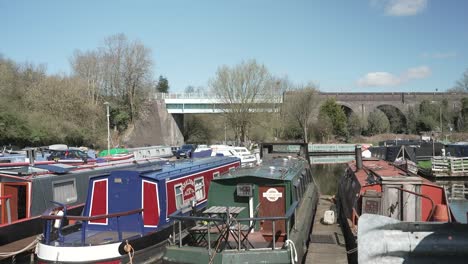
[(299, 106), (240, 89), (121, 69), (462, 84), (88, 66)]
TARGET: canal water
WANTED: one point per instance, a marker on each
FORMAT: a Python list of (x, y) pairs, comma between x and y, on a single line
[(327, 174)]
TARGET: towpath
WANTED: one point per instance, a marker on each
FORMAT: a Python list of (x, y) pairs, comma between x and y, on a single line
[(327, 243)]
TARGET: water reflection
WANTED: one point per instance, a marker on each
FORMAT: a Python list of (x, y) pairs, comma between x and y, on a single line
[(456, 191), (327, 176)]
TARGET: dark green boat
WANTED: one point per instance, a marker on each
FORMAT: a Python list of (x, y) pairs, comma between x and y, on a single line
[(254, 215)]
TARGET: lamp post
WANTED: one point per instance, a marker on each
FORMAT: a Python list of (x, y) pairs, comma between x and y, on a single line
[(108, 128), (440, 118)]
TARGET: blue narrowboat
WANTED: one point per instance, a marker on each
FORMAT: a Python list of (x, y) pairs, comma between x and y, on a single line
[(126, 215)]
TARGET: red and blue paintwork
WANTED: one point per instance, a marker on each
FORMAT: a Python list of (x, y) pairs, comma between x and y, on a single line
[(153, 190)]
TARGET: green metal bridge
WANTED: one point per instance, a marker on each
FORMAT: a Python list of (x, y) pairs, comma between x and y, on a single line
[(338, 149)]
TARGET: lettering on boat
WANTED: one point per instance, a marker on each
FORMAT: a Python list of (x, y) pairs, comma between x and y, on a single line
[(272, 195), (188, 189)]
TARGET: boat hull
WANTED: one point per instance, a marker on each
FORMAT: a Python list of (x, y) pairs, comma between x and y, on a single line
[(147, 248)]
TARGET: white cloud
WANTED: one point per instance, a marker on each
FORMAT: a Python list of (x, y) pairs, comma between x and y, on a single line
[(400, 7), (439, 55), (379, 79), (420, 72)]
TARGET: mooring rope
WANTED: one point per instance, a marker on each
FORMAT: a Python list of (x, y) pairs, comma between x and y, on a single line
[(130, 251), (293, 251)]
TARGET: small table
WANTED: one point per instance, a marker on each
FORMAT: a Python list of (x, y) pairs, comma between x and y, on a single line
[(233, 210), (225, 212)]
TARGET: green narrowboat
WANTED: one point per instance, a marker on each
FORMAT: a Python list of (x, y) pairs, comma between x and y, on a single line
[(262, 214)]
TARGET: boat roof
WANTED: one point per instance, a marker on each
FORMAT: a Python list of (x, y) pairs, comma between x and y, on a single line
[(280, 168), (29, 173), (384, 170), (174, 169)]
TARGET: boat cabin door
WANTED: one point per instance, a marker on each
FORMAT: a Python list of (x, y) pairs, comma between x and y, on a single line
[(399, 204), (18, 202), (272, 203)]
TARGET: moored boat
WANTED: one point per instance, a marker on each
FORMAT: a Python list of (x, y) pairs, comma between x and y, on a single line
[(26, 192), (127, 212), (378, 187), (262, 214)]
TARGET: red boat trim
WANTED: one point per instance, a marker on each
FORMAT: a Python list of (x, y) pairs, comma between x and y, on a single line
[(15, 177), (186, 181), (99, 203), (150, 204)]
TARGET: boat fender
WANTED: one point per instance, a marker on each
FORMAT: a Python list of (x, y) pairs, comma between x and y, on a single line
[(329, 217), (58, 221), (293, 251), (130, 251), (440, 213)]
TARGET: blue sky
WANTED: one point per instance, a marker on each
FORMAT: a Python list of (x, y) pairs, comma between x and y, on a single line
[(365, 45)]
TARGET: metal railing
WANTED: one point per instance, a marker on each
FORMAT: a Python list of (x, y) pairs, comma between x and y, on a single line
[(228, 222), (162, 96), (85, 219)]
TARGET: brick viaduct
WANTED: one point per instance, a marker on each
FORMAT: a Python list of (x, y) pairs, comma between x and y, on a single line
[(364, 103)]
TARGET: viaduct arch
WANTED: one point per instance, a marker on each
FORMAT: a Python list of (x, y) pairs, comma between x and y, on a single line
[(364, 103)]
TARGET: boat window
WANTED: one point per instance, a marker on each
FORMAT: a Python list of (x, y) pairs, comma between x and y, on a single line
[(65, 191), (304, 176), (305, 182), (199, 189), (215, 174), (302, 183), (179, 198), (308, 177), (303, 186), (298, 189)]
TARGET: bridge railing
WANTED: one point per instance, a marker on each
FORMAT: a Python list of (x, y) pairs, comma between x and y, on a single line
[(260, 98), (184, 95)]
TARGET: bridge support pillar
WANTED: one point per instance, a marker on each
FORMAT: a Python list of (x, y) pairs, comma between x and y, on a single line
[(179, 119)]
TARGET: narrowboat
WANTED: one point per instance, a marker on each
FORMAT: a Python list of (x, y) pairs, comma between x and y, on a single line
[(26, 192), (261, 214), (378, 187), (125, 217)]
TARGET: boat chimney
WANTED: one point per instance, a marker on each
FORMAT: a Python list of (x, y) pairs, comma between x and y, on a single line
[(358, 153), (31, 155)]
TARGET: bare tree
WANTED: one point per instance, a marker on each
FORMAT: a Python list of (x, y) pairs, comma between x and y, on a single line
[(88, 66), (240, 89), (137, 74), (120, 71), (299, 106), (279, 86), (189, 89), (462, 84)]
